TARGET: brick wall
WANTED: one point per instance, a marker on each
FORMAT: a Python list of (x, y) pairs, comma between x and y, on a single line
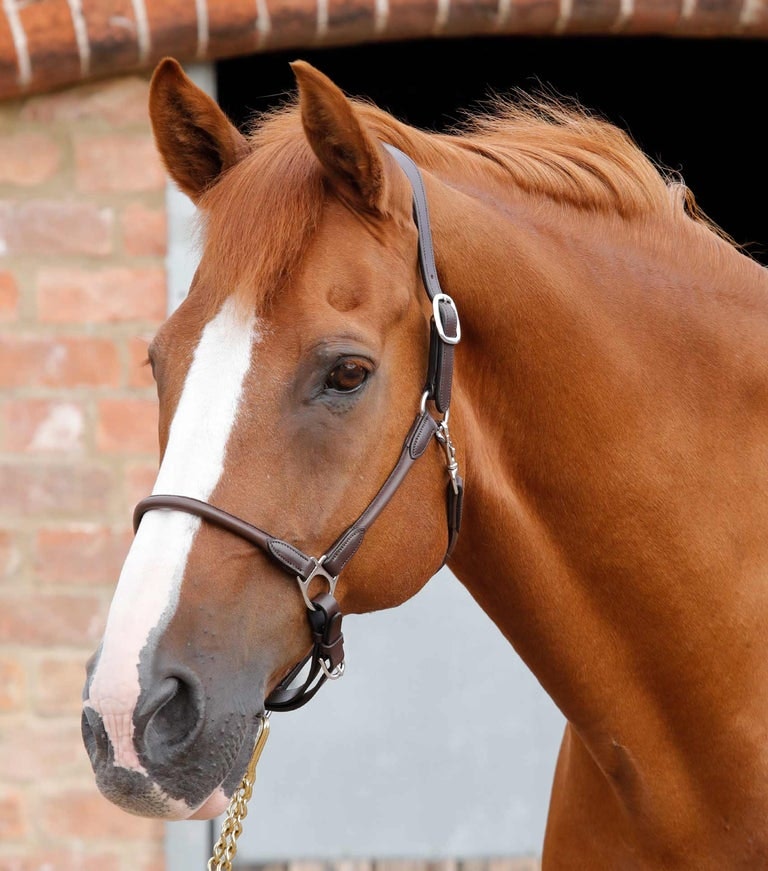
[(82, 285)]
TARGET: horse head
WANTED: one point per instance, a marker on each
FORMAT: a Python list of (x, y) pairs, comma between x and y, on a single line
[(288, 384)]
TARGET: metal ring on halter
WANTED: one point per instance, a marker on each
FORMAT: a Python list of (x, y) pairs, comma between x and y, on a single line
[(317, 570), (423, 407), (336, 673)]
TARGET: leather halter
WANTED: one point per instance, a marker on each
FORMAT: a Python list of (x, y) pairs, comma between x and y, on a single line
[(327, 657)]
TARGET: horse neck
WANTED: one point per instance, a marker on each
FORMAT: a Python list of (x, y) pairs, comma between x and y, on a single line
[(587, 410)]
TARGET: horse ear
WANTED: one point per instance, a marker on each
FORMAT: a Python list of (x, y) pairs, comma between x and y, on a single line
[(349, 155), (196, 140)]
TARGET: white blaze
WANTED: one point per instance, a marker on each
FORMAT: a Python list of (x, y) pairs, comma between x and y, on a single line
[(148, 590)]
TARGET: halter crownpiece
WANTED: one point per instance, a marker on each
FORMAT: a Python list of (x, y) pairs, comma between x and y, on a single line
[(326, 660)]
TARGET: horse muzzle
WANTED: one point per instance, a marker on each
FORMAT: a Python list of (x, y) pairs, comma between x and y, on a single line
[(169, 756)]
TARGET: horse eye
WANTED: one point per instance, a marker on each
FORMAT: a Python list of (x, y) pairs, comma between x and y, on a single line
[(347, 376)]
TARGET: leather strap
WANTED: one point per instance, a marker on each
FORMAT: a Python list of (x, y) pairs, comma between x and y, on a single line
[(421, 217), (290, 558), (347, 544), (454, 501), (440, 373), (328, 646)]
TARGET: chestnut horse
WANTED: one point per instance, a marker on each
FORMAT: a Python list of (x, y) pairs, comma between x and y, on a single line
[(608, 426)]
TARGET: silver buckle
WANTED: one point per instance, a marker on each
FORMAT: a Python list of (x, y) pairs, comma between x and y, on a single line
[(436, 300), (317, 570)]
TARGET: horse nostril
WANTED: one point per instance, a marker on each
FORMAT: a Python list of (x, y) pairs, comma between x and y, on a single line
[(94, 734), (169, 717)]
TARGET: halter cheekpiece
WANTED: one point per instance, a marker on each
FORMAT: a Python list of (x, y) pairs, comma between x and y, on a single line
[(326, 659)]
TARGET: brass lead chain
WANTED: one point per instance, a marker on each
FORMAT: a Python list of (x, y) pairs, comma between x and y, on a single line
[(232, 827)]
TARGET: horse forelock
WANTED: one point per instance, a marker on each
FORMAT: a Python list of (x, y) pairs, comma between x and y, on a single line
[(257, 220)]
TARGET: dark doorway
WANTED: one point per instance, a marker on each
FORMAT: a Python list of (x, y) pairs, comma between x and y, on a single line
[(693, 105)]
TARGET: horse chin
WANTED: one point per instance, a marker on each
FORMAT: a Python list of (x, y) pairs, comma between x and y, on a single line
[(214, 805), (146, 799)]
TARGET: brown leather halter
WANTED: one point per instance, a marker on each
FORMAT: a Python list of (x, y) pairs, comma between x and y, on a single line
[(327, 657)]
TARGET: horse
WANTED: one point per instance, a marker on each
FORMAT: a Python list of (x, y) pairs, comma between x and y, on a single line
[(517, 348)]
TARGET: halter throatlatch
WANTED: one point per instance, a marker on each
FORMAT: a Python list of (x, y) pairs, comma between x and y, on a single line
[(326, 660)]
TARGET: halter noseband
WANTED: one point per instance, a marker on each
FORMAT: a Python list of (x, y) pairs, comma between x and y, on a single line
[(327, 656)]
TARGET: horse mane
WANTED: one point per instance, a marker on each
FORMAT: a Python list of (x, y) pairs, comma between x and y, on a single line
[(257, 220)]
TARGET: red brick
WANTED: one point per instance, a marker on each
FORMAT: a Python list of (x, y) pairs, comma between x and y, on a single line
[(72, 295), (13, 690), (62, 859), (42, 426), (58, 361), (524, 863), (13, 818), (40, 751), (292, 23), (115, 163), (53, 58), (9, 71), (354, 865), (70, 490), (9, 297), (81, 555), (114, 33), (27, 159), (32, 618), (139, 370), (305, 865), (53, 227), (173, 28), (352, 20), (399, 865), (93, 818), (139, 480), (144, 231), (59, 686), (151, 861), (10, 556), (232, 25), (119, 102), (127, 426)]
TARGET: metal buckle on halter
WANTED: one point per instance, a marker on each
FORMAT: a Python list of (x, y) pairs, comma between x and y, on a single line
[(439, 325), (317, 570)]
